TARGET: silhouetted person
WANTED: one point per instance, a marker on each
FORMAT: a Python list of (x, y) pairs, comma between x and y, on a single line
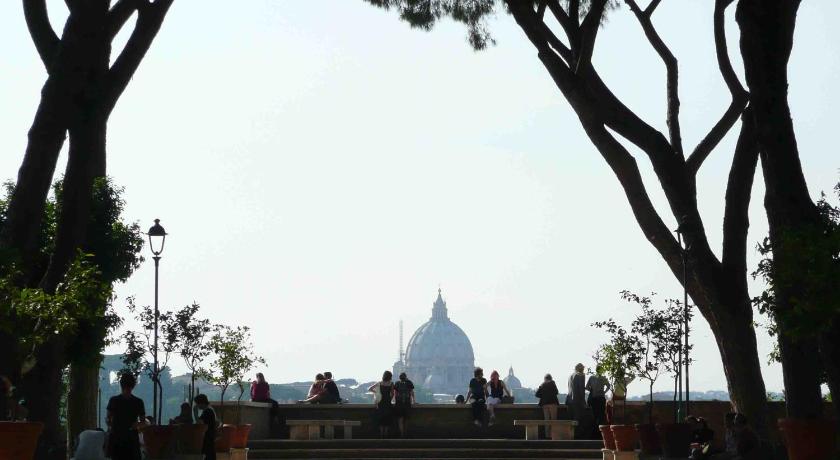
[(126, 416), (403, 400), (701, 438), (576, 396), (477, 395), (460, 399), (547, 394), (207, 417), (598, 385), (185, 417), (384, 391), (331, 396)]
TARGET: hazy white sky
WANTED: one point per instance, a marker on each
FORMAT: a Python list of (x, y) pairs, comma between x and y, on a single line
[(322, 168)]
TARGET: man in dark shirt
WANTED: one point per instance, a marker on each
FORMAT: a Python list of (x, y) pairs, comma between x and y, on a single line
[(332, 395), (207, 417), (478, 396), (126, 415)]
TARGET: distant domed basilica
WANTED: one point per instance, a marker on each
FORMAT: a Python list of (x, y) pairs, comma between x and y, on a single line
[(439, 357)]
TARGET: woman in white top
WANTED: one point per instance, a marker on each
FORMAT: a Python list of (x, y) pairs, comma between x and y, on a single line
[(496, 390)]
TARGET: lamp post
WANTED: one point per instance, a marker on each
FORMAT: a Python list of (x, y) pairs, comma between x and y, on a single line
[(157, 238), (684, 248)]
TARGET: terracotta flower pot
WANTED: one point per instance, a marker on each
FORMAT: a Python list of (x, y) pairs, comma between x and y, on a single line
[(675, 439), (649, 439), (18, 440), (190, 438), (240, 436), (607, 434), (625, 436), (157, 440), (808, 439), (224, 438)]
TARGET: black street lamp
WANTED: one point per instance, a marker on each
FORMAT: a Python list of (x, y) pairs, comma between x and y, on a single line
[(684, 248), (157, 238)]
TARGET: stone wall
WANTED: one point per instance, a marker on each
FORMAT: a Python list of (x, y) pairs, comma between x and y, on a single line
[(449, 421)]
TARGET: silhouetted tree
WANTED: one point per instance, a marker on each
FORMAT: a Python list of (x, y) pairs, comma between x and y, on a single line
[(718, 286), (81, 90), (800, 234)]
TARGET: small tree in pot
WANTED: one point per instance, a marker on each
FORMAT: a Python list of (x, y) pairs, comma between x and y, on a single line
[(233, 356)]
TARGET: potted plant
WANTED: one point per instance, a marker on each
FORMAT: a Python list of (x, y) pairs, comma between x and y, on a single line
[(675, 438), (234, 356), (190, 440), (807, 439), (157, 440), (651, 326), (18, 440), (626, 437)]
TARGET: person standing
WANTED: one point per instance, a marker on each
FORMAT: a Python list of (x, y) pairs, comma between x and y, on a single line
[(403, 400), (207, 417), (497, 390), (547, 394), (598, 385), (384, 407), (576, 396), (126, 416), (477, 395)]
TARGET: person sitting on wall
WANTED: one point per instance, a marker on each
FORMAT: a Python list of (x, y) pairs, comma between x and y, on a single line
[(331, 396), (460, 399), (316, 391), (477, 396), (261, 392), (185, 417), (497, 390)]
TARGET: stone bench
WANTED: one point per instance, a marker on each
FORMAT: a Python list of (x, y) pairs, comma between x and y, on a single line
[(558, 429), (311, 429)]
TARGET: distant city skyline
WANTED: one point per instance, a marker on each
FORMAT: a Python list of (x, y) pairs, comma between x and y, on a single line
[(322, 168)]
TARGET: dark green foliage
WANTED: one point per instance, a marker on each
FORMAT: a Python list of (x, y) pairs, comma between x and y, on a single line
[(81, 306), (423, 14), (816, 273)]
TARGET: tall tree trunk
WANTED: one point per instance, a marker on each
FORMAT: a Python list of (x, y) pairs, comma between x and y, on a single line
[(42, 390), (82, 398), (830, 353), (767, 29)]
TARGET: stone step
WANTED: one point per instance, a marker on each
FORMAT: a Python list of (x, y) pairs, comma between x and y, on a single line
[(425, 443), (424, 453)]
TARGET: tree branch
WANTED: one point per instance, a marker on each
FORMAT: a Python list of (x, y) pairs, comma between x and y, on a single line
[(119, 15), (569, 27), (149, 20), (588, 33), (652, 7), (626, 170), (672, 73), (43, 36), (736, 89), (736, 220)]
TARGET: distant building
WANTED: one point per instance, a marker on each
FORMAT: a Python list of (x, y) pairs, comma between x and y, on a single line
[(512, 381), (439, 357)]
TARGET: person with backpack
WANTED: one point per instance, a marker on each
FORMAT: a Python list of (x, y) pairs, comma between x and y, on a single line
[(403, 400)]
